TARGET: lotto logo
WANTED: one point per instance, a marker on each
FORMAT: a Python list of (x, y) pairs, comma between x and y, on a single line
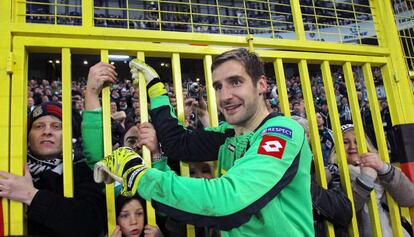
[(272, 146)]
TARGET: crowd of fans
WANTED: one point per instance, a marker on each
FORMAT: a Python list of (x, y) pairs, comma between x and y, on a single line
[(259, 18), (125, 109)]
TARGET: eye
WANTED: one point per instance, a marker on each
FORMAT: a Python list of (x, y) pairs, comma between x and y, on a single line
[(236, 82), (38, 126), (123, 215), (217, 87), (57, 126)]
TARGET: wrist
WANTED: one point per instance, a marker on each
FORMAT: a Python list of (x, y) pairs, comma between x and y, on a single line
[(30, 195), (158, 157)]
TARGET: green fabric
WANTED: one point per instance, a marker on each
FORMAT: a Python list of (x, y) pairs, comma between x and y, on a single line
[(243, 181), (92, 137)]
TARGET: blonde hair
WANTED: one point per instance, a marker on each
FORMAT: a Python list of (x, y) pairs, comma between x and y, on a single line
[(370, 147)]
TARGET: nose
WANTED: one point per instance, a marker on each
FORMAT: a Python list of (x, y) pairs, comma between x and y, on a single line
[(225, 93), (133, 220), (47, 130)]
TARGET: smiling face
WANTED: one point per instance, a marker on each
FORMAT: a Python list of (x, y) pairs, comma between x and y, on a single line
[(239, 99), (45, 137), (131, 219), (351, 147)]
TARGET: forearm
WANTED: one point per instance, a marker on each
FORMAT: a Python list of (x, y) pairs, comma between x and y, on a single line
[(399, 186), (92, 137)]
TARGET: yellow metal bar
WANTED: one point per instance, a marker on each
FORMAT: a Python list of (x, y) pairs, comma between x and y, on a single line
[(18, 132), (313, 132), (67, 123), (338, 139), (362, 145), (193, 38), (19, 11), (281, 86), (146, 154), (211, 94), (401, 92), (381, 142), (87, 16), (178, 88), (106, 116), (297, 20), (5, 100)]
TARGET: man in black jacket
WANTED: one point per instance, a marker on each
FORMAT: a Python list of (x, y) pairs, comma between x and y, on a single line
[(49, 213)]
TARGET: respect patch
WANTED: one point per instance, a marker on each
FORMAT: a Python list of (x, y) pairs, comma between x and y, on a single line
[(277, 130)]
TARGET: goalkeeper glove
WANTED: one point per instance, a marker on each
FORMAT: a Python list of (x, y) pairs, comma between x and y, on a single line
[(122, 165), (154, 85)]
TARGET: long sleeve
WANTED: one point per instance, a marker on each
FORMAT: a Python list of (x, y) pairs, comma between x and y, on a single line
[(254, 188), (92, 137), (178, 143), (51, 214), (399, 186), (331, 203)]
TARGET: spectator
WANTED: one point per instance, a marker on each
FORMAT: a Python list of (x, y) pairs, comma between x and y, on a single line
[(49, 213), (368, 172), (130, 218), (328, 204), (327, 141)]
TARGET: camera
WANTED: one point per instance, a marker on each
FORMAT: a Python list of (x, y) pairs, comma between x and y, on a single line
[(193, 89)]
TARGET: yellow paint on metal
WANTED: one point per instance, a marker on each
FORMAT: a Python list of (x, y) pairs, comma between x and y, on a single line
[(67, 123), (401, 92), (381, 142), (192, 38), (211, 94), (5, 100), (107, 141), (178, 89), (313, 132), (297, 19), (361, 142), (87, 15), (18, 132), (281, 87), (338, 139), (146, 154)]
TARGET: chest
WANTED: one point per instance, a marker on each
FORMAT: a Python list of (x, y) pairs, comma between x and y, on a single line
[(233, 149)]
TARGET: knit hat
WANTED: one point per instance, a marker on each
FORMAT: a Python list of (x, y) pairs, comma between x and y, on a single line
[(46, 108), (347, 127)]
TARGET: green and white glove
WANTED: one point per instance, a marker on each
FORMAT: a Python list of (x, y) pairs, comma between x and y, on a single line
[(123, 165), (154, 85)]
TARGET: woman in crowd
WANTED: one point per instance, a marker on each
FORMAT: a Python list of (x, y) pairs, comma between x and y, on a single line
[(368, 172)]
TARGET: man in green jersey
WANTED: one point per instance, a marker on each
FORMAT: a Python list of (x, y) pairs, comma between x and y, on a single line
[(263, 185)]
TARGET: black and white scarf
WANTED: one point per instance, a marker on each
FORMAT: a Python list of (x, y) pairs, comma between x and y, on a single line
[(37, 166)]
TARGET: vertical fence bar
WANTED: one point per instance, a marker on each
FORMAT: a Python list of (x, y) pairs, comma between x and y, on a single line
[(67, 123), (313, 130), (281, 86), (297, 20), (18, 132), (87, 14), (6, 68), (338, 140), (146, 154), (106, 116), (178, 89), (211, 94), (361, 142), (381, 141)]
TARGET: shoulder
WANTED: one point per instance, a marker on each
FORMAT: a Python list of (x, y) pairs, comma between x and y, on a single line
[(282, 126)]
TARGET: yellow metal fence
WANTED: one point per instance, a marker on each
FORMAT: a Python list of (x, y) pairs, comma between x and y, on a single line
[(22, 38)]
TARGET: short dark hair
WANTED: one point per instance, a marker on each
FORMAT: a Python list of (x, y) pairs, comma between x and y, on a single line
[(252, 63)]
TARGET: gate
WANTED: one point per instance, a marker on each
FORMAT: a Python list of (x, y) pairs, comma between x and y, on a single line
[(21, 38)]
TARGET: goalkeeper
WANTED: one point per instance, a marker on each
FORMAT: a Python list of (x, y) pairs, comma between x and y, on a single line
[(263, 187)]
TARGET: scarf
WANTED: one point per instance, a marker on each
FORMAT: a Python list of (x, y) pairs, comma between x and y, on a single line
[(37, 166)]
